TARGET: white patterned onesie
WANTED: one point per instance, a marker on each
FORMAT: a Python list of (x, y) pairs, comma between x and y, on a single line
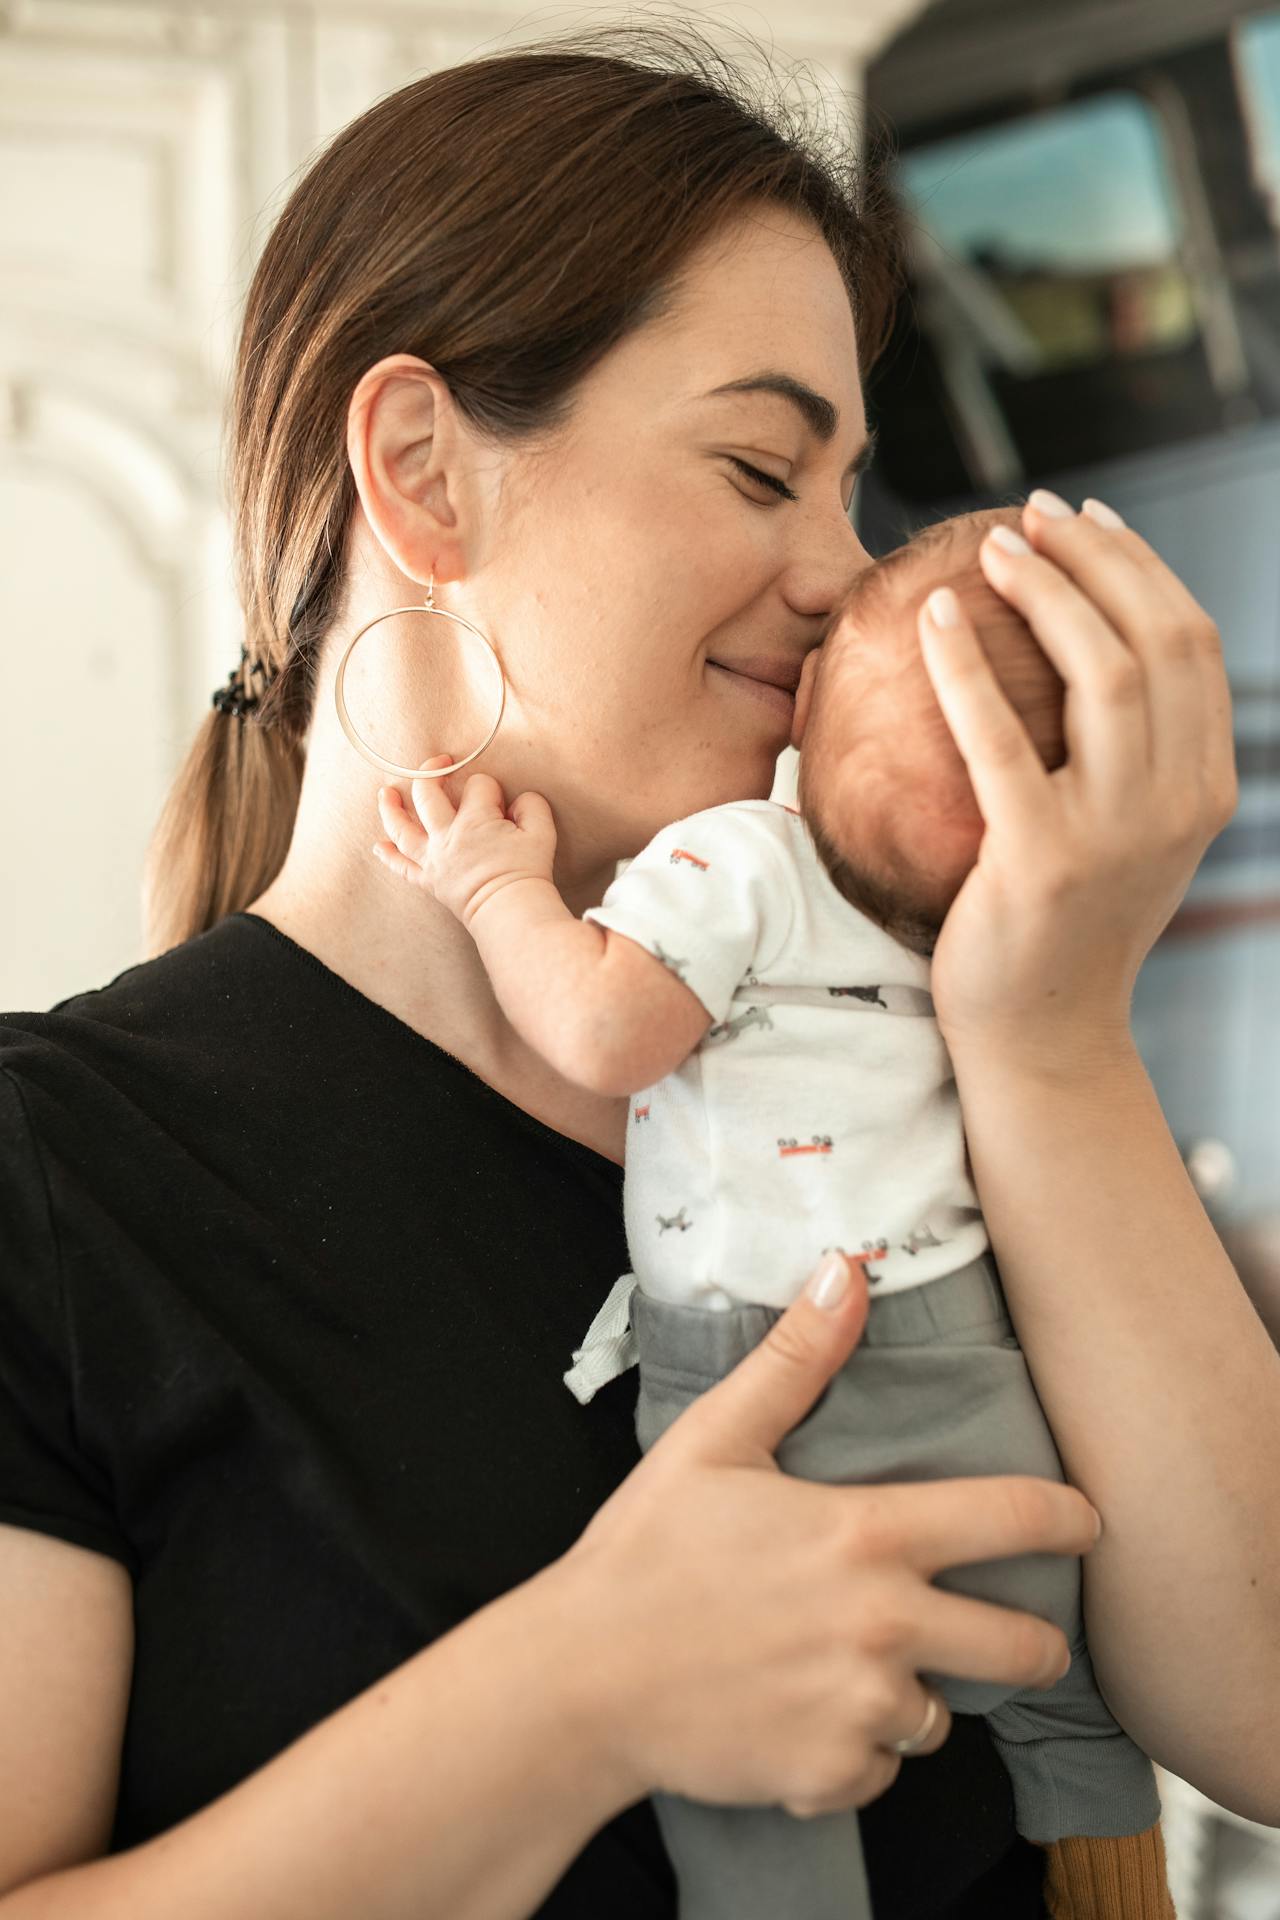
[(819, 1110)]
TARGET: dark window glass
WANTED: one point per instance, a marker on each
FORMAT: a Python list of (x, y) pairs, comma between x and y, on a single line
[(1257, 48), (1055, 319), (1056, 237)]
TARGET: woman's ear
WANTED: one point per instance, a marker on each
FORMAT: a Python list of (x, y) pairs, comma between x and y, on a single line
[(804, 695), (408, 449)]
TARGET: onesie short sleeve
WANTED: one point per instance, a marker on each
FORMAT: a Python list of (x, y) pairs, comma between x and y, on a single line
[(45, 1483), (709, 896)]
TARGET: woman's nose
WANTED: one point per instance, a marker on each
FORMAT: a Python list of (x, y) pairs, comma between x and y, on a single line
[(820, 586), (862, 559)]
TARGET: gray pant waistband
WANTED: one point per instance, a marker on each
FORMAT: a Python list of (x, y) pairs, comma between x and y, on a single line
[(702, 1343)]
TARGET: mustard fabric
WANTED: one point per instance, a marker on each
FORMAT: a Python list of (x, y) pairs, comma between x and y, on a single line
[(1101, 1878)]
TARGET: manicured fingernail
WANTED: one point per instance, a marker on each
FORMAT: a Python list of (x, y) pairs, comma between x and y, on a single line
[(1011, 542), (944, 608), (1104, 515), (829, 1282), (1051, 504)]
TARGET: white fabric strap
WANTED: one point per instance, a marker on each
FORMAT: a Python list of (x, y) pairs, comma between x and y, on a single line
[(610, 1346)]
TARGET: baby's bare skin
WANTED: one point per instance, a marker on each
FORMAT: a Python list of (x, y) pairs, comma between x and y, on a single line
[(882, 786)]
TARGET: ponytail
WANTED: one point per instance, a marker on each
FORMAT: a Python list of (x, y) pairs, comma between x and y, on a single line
[(224, 829)]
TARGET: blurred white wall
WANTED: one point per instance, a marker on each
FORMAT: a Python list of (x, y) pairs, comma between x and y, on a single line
[(146, 149)]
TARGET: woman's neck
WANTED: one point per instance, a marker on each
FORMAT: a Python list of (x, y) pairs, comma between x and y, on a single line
[(394, 943)]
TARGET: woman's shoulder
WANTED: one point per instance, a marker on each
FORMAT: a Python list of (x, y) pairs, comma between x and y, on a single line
[(164, 1046), (176, 996), (237, 1043)]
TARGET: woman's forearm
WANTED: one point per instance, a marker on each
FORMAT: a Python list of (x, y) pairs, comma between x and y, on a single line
[(1162, 1388), (459, 1787)]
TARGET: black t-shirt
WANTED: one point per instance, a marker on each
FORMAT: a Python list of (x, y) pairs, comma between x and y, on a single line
[(286, 1298)]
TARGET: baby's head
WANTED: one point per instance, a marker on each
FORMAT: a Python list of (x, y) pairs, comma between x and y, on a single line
[(882, 786)]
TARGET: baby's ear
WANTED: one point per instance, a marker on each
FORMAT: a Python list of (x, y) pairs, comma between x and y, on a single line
[(804, 695)]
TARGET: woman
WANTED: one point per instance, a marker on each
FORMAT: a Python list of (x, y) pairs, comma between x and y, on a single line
[(322, 1593)]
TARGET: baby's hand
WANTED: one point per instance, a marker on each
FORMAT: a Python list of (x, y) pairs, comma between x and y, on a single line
[(465, 855)]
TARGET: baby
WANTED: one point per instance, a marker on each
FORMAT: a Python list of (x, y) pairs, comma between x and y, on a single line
[(805, 1119), (757, 981)]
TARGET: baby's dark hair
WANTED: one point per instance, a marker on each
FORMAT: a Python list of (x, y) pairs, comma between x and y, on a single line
[(883, 599), (948, 549)]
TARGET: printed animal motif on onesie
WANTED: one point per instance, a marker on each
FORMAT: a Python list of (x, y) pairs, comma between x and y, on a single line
[(678, 854), (730, 1029), (871, 995), (816, 1143), (871, 1250), (919, 1238), (922, 1236), (677, 966), (676, 1220), (641, 1112)]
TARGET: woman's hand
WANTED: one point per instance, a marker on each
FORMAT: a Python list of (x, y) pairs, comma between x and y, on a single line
[(1079, 870), (751, 1638), (466, 854)]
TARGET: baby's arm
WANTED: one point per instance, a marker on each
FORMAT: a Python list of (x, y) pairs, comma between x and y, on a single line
[(602, 1010)]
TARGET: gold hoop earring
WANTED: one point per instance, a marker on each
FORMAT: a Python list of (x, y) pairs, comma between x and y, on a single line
[(363, 747)]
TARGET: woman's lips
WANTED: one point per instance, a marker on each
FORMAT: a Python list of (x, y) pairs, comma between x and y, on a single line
[(782, 702)]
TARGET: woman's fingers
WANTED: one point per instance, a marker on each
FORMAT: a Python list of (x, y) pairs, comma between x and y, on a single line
[(952, 1633), (915, 1705), (1169, 633), (1106, 721), (884, 1765), (933, 1524), (1008, 775), (774, 1386)]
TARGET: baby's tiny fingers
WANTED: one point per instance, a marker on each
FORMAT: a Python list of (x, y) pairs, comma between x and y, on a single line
[(532, 811), (401, 828), (482, 795), (431, 803), (388, 856)]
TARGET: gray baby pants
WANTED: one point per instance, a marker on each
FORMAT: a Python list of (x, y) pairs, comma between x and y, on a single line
[(937, 1388)]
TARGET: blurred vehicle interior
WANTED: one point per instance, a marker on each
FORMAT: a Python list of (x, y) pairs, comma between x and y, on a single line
[(1095, 307)]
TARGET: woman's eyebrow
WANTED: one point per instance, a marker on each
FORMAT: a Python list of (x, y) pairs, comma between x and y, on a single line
[(820, 415)]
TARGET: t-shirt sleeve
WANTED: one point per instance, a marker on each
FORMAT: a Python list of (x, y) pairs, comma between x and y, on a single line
[(45, 1482), (709, 897)]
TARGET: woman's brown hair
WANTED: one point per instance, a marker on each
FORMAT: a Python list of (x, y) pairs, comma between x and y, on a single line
[(509, 221)]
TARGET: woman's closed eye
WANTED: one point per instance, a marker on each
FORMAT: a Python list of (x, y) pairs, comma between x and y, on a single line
[(769, 480)]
